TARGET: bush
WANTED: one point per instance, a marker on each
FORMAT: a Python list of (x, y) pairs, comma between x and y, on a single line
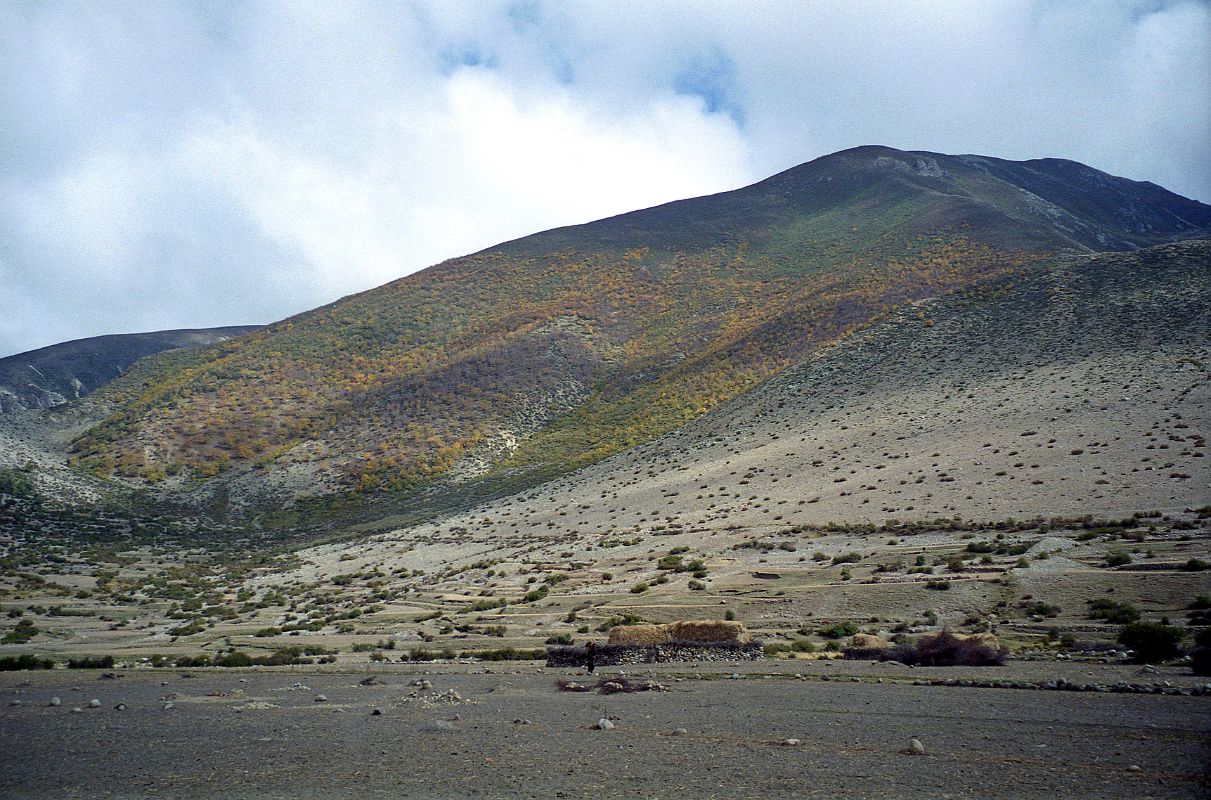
[(944, 649), (1117, 558), (1195, 565), (639, 588), (940, 586), (24, 661), (797, 646), (233, 659), (1112, 611), (847, 558), (420, 654), (838, 631), (21, 634), (1151, 641), (17, 483), (1201, 655), (91, 662)]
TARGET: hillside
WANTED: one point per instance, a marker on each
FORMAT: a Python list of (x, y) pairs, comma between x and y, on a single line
[(54, 375), (501, 369), (1079, 387), (974, 461), (1006, 445)]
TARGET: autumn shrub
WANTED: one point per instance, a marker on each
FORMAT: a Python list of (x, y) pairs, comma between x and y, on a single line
[(945, 649)]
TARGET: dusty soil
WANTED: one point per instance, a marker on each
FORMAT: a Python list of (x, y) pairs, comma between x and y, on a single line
[(237, 734)]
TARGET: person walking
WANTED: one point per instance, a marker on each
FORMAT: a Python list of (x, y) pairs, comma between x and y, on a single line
[(590, 655)]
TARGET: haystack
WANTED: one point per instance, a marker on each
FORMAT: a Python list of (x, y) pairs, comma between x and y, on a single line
[(684, 631), (867, 641), (985, 639), (640, 635), (708, 631)]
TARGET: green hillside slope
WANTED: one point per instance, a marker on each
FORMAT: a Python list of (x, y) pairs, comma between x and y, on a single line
[(554, 351)]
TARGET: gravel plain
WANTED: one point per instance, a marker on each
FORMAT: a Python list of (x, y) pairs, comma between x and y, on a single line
[(509, 731)]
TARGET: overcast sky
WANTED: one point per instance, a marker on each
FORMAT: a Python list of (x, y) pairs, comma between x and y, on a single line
[(207, 163)]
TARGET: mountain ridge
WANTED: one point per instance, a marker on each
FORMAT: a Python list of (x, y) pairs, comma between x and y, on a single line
[(524, 361), (56, 374)]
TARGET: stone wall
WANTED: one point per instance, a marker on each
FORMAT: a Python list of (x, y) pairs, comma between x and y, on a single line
[(612, 655)]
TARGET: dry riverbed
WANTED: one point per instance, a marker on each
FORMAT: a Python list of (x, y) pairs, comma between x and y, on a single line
[(508, 731)]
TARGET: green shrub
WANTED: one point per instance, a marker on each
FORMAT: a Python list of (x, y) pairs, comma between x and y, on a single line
[(1200, 657), (1117, 558), (91, 662), (1112, 611), (797, 646), (17, 483), (1195, 565), (1151, 641), (21, 634), (940, 586), (24, 661), (233, 659), (847, 558), (625, 619), (639, 588), (838, 631)]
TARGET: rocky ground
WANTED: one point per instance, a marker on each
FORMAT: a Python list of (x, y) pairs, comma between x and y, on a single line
[(767, 729)]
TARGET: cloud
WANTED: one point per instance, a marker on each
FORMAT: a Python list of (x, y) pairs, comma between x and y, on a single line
[(210, 163)]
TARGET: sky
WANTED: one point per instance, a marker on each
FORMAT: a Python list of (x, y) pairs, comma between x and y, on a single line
[(192, 164)]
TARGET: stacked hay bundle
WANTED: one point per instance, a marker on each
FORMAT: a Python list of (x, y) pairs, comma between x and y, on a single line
[(865, 645), (642, 635), (704, 631), (949, 649), (708, 631)]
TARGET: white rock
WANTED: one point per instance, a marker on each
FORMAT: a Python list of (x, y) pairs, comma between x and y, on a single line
[(916, 747), (791, 742), (94, 703), (604, 724), (56, 701)]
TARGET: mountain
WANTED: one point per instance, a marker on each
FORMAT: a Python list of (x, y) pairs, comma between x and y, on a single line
[(1031, 427), (500, 370), (1079, 386), (51, 376)]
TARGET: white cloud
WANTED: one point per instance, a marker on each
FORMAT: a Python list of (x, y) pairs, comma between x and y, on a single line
[(205, 164)]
